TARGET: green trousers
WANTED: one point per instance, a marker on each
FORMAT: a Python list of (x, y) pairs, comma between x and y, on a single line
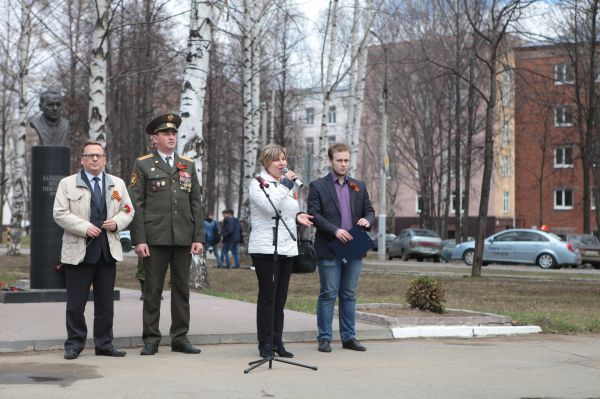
[(156, 266)]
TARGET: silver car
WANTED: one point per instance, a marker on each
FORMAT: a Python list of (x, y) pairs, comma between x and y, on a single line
[(416, 243), (522, 246)]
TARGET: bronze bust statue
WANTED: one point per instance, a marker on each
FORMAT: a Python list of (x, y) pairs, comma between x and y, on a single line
[(52, 129)]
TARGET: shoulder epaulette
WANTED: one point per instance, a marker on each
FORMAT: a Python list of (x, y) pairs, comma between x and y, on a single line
[(145, 157), (186, 158)]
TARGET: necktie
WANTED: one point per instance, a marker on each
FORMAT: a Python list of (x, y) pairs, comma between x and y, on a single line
[(97, 190), (169, 161)]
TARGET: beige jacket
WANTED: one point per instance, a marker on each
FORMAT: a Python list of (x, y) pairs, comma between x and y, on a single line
[(72, 213)]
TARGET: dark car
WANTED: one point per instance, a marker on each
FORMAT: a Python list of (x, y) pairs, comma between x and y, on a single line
[(389, 237), (416, 243), (588, 246)]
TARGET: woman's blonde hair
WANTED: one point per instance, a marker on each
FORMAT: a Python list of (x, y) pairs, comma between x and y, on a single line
[(271, 153)]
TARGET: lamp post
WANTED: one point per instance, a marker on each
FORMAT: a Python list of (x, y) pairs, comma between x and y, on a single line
[(383, 157)]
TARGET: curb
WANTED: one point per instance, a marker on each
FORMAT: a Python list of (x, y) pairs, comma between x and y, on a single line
[(461, 331)]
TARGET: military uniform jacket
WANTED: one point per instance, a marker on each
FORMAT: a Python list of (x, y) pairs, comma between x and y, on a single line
[(167, 202)]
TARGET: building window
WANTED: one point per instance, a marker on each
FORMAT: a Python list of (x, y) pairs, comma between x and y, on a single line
[(330, 141), (505, 202), (419, 204), (563, 115), (505, 134), (309, 116), (453, 202), (331, 117), (563, 157), (505, 165), (563, 74), (310, 145), (563, 198)]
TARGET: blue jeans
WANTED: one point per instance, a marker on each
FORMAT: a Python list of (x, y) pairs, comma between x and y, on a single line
[(233, 247), (337, 279), (215, 248)]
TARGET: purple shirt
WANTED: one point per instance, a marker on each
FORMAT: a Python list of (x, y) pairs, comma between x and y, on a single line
[(343, 195)]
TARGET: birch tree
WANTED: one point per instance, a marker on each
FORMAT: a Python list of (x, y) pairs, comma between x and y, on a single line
[(98, 127), (19, 172), (203, 16), (251, 29), (347, 62), (357, 87)]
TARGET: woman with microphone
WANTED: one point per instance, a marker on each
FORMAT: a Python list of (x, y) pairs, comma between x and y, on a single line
[(273, 275)]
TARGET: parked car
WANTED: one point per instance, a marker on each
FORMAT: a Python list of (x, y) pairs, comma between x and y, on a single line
[(125, 240), (448, 247), (416, 243), (389, 237), (522, 246), (588, 246)]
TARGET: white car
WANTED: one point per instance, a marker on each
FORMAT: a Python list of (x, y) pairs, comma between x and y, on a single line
[(522, 246)]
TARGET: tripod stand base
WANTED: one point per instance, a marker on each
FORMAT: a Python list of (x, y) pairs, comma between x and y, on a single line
[(271, 359)]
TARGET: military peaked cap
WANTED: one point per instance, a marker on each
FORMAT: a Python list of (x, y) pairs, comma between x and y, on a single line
[(164, 122)]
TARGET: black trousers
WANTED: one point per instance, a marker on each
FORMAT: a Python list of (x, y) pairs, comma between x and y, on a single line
[(273, 282), (79, 279), (179, 259)]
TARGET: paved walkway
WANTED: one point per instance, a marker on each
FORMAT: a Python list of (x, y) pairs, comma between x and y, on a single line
[(535, 366), (41, 326)]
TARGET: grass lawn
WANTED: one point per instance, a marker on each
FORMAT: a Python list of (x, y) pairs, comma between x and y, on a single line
[(552, 301)]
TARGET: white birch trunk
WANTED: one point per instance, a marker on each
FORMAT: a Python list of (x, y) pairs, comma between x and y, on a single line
[(323, 165), (358, 96), (203, 17), (353, 74), (98, 70), (19, 170), (251, 98)]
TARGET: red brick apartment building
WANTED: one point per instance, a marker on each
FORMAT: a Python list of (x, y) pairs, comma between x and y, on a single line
[(548, 169)]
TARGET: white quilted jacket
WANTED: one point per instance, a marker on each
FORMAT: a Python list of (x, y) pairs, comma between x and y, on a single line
[(262, 222)]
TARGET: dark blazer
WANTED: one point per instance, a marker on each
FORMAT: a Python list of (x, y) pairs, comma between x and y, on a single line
[(323, 204), (97, 249)]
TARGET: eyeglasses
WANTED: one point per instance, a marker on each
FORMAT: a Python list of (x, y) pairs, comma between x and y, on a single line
[(92, 156)]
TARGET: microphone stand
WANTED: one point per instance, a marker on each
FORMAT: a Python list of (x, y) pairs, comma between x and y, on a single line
[(272, 358)]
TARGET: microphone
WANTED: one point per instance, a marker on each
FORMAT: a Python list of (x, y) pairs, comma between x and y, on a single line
[(296, 181), (262, 181)]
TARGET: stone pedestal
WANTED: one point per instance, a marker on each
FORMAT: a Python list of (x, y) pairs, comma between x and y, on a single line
[(49, 164)]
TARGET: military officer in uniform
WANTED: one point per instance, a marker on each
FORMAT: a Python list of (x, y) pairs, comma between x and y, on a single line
[(167, 229)]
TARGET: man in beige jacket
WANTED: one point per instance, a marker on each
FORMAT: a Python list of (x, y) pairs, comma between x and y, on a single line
[(91, 206)]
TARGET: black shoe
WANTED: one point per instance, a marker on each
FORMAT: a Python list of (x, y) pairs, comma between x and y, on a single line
[(265, 350), (149, 349), (110, 352), (71, 354), (324, 345), (280, 350), (186, 347), (354, 345)]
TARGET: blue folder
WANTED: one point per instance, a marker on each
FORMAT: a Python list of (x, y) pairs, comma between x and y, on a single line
[(355, 248)]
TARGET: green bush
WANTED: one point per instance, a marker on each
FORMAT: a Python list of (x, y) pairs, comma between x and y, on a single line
[(426, 293)]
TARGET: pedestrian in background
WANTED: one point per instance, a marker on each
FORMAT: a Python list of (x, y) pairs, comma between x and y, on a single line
[(232, 236), (212, 237)]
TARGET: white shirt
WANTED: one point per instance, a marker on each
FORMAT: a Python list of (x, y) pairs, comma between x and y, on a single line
[(164, 157)]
